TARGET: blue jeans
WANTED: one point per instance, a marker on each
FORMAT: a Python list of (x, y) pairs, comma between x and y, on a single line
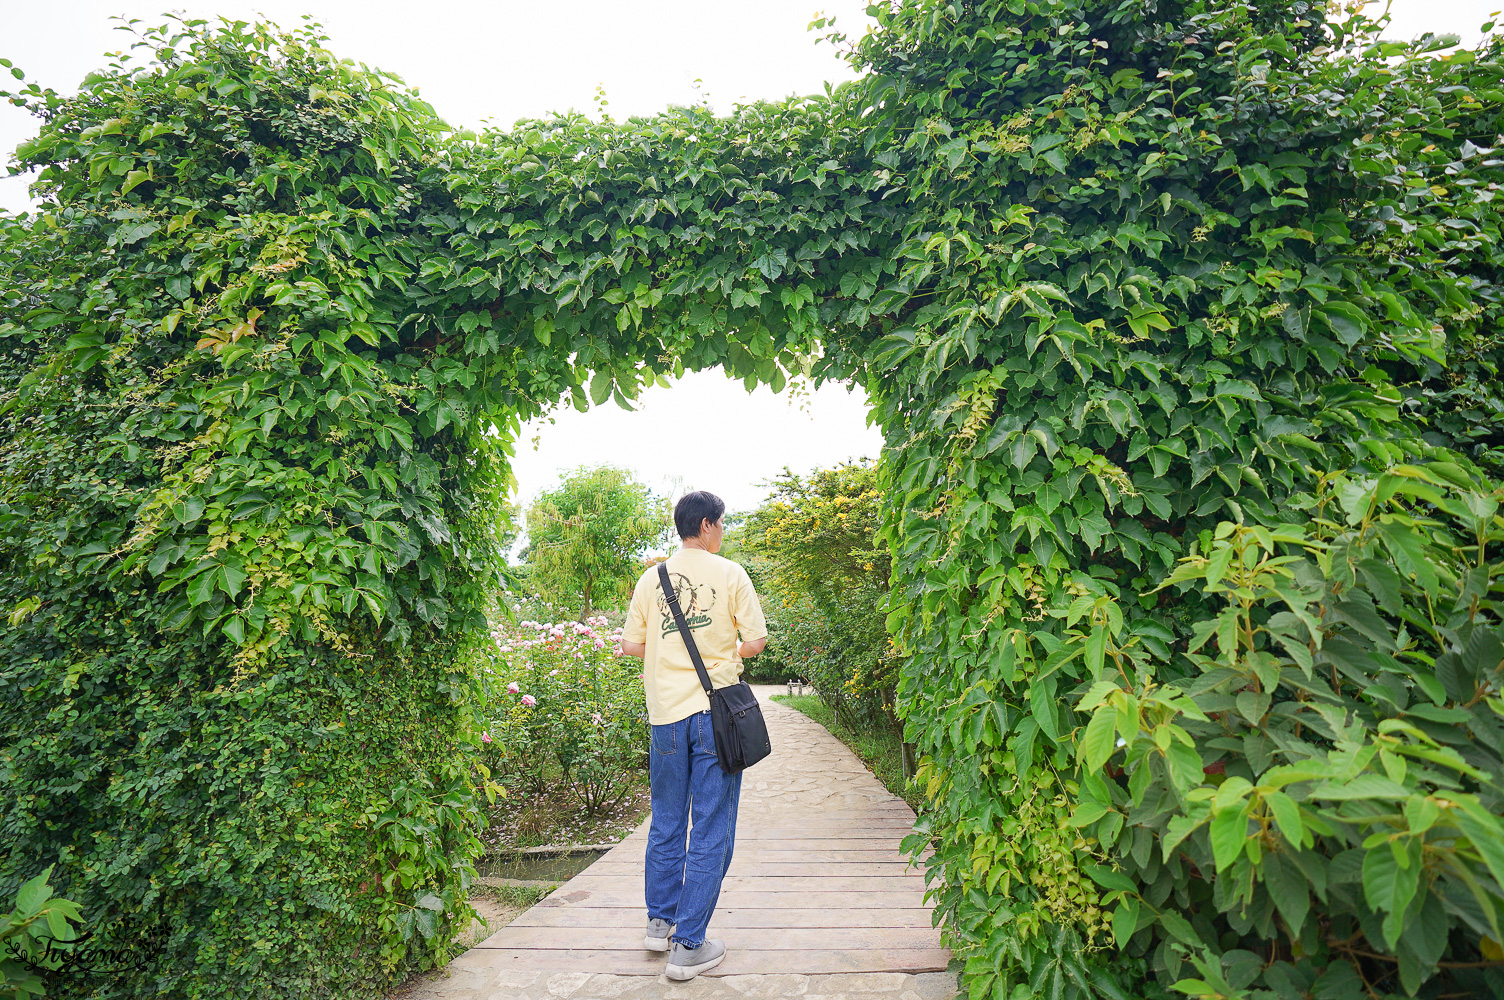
[(687, 781)]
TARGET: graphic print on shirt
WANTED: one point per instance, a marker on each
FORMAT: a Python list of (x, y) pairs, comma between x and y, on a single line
[(695, 601)]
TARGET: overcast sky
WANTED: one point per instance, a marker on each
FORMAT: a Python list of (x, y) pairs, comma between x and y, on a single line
[(494, 62)]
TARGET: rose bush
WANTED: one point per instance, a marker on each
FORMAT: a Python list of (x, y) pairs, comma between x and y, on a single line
[(566, 708)]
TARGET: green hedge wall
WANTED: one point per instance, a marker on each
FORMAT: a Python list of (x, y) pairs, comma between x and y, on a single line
[(1191, 266), (1126, 280), (251, 785)]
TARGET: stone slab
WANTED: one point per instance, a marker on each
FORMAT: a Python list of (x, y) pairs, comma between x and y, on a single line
[(740, 939), (737, 963), (917, 916), (565, 895)]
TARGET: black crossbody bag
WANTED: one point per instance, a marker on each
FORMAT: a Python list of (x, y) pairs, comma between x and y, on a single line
[(741, 735)]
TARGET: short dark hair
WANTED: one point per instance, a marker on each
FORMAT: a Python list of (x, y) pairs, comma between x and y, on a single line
[(695, 508)]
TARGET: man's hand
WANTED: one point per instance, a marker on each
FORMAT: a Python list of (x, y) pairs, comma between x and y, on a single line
[(637, 649)]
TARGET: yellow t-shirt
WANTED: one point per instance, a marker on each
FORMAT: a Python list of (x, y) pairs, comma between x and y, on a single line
[(718, 601)]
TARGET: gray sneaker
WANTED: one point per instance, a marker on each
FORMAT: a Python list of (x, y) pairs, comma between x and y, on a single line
[(657, 937), (687, 963)]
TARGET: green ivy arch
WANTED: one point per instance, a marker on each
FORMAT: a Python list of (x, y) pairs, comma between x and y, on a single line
[(1110, 270)]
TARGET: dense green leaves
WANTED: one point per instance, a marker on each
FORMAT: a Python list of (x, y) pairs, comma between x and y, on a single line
[(1342, 813), (254, 452), (240, 560), (1114, 272), (1180, 262)]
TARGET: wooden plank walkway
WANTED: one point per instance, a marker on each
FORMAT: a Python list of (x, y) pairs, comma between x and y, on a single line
[(817, 884)]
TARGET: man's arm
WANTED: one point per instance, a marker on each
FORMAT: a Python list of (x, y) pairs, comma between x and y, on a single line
[(747, 613), (636, 624)]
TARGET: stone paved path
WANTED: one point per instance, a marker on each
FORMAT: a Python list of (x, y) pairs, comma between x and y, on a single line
[(819, 901)]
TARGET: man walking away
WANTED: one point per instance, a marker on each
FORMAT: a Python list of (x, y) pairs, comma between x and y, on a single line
[(718, 602)]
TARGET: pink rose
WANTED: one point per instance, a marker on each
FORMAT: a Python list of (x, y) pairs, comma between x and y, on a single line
[(512, 688), (529, 701), (596, 718), (485, 737)]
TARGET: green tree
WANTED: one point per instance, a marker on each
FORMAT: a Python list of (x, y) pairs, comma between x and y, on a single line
[(821, 530), (816, 541), (586, 538)]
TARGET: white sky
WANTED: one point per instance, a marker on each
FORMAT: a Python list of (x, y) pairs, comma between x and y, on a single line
[(706, 432), (494, 62)]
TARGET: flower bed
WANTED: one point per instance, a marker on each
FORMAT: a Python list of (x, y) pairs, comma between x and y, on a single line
[(566, 730)]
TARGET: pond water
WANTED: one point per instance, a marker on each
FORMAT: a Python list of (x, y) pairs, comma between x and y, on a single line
[(538, 867)]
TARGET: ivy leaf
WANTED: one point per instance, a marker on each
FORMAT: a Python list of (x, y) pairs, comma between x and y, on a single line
[(600, 387), (1180, 928), (1346, 320), (1287, 887), (1097, 742), (201, 587), (1286, 815), (188, 510), (1389, 885), (1109, 878), (133, 180), (1042, 702), (1218, 565), (1185, 766), (1229, 832), (1486, 833), (35, 892), (1096, 650), (1125, 920), (136, 232), (230, 579), (772, 263), (178, 615)]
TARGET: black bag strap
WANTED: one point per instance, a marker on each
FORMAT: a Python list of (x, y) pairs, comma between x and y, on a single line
[(689, 640)]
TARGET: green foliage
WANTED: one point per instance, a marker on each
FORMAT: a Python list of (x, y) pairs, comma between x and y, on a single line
[(1318, 793), (240, 567), (1112, 271), (768, 667), (827, 583), (35, 937), (585, 538), (818, 531), (1163, 265), (843, 650)]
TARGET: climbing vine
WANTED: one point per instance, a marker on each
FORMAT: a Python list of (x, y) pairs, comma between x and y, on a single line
[(1178, 264), (1120, 276)]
